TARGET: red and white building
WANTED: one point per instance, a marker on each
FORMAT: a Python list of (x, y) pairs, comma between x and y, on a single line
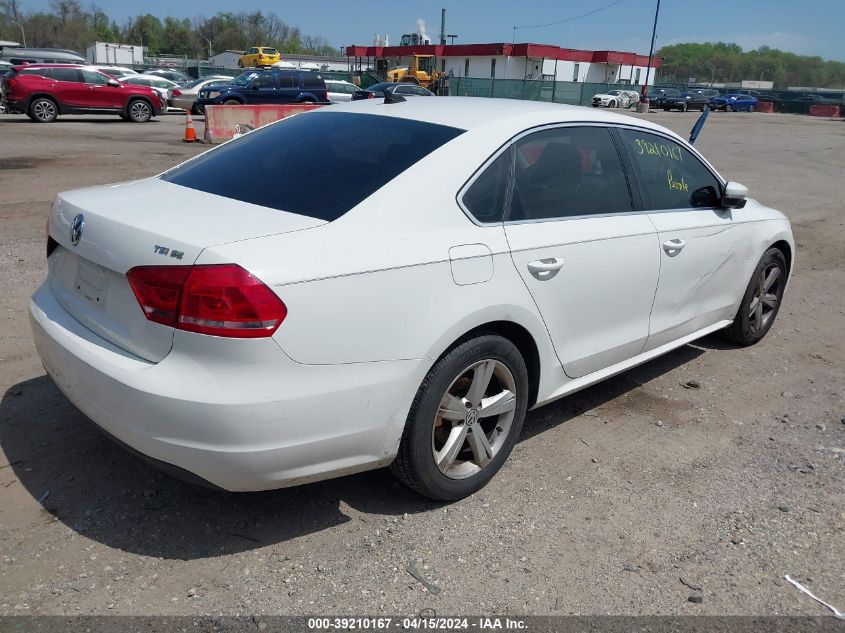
[(514, 61)]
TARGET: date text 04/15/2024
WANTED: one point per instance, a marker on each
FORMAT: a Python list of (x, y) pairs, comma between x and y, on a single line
[(415, 623)]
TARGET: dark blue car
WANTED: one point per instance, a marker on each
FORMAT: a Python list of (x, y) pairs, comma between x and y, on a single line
[(733, 103), (258, 87)]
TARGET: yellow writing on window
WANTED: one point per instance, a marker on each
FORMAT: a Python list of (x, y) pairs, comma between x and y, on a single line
[(676, 185), (649, 148)]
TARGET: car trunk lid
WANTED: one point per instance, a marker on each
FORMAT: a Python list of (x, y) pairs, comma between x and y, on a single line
[(102, 233)]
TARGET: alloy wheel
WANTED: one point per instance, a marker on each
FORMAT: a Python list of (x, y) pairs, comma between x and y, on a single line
[(139, 111), (44, 110), (765, 300), (474, 419)]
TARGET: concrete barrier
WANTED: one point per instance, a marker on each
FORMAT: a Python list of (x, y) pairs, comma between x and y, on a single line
[(824, 110), (764, 106), (224, 122)]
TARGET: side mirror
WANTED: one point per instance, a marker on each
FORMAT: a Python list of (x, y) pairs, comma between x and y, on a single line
[(734, 195), (114, 83)]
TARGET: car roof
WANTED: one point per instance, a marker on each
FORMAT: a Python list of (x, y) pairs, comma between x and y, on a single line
[(469, 113)]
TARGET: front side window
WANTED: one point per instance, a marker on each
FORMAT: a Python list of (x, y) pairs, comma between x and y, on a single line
[(264, 82), (331, 161), (93, 77), (670, 176), (568, 171)]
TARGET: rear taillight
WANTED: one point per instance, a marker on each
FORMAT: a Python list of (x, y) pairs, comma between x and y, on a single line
[(11, 83), (221, 299), (260, 56), (176, 93), (371, 95), (325, 95)]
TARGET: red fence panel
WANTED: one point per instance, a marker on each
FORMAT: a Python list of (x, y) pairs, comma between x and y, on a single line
[(224, 122)]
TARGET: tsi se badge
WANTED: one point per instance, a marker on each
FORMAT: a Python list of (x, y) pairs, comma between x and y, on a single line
[(76, 228)]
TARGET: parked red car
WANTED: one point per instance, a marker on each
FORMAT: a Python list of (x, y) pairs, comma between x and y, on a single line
[(44, 91)]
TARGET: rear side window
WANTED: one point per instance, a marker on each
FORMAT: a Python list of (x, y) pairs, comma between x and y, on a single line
[(485, 199), (312, 81), (41, 72), (287, 81), (320, 164), (565, 172), (66, 74), (670, 176)]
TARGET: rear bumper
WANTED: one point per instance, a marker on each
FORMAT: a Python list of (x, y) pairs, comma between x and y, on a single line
[(238, 414)]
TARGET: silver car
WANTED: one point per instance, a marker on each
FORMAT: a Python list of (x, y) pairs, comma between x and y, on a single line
[(184, 97)]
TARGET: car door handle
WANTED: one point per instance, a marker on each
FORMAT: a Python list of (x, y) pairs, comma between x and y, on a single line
[(673, 247), (545, 269)]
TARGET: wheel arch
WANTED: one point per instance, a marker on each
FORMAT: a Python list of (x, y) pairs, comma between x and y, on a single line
[(784, 247), (139, 98), (518, 335), (45, 95)]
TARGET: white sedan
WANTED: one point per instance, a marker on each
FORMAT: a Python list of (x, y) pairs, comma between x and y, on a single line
[(255, 334), (615, 99), (161, 85)]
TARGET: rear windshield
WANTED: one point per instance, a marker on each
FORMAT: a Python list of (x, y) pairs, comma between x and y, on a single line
[(320, 165)]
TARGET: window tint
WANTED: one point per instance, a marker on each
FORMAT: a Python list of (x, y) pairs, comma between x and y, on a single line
[(485, 199), (670, 176), (567, 172), (330, 161), (65, 74), (93, 77), (264, 82), (287, 81), (312, 81), (41, 72)]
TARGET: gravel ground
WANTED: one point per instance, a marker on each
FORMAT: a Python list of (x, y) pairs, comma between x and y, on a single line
[(627, 498)]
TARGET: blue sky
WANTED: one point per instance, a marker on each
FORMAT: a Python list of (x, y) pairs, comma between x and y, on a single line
[(812, 28)]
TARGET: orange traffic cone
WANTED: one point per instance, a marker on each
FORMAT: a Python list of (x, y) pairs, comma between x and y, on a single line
[(190, 132)]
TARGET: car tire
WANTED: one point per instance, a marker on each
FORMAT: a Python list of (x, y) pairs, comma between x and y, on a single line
[(728, 108), (196, 109), (139, 111), (756, 314), (446, 457), (43, 110), (684, 107), (240, 64), (612, 104)]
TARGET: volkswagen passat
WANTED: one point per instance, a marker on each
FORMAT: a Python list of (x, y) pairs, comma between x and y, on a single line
[(287, 307)]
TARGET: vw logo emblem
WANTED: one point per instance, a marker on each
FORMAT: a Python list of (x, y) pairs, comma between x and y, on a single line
[(472, 417), (76, 228)]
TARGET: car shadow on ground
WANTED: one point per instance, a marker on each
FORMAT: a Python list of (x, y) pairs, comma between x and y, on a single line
[(22, 118), (106, 494)]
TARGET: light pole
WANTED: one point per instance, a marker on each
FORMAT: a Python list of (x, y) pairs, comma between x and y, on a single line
[(650, 56), (23, 34)]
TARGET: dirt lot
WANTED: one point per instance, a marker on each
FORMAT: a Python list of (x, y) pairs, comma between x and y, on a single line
[(610, 499)]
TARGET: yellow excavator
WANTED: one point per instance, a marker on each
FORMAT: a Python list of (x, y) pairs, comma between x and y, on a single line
[(421, 72)]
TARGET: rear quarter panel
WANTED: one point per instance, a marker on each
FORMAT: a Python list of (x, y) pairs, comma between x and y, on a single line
[(377, 284)]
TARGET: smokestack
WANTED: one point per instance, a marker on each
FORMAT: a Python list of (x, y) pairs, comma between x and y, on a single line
[(442, 27)]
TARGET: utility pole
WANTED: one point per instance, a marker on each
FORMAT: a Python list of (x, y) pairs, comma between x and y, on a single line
[(23, 34), (650, 54)]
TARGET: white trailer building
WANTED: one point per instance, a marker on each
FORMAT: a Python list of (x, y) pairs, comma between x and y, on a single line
[(115, 54)]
